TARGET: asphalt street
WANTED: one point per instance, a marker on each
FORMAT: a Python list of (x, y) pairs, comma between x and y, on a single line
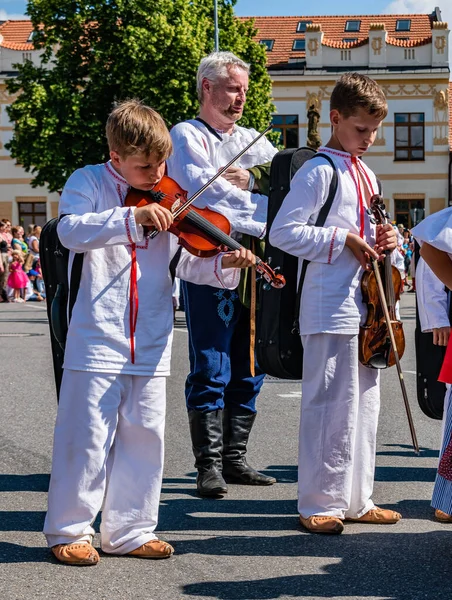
[(246, 546)]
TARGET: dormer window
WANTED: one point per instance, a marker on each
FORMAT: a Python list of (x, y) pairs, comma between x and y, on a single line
[(268, 44), (31, 36), (352, 26), (403, 25), (301, 27), (299, 45), (349, 40)]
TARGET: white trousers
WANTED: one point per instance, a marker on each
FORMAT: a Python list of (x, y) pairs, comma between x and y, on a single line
[(338, 428), (108, 453)]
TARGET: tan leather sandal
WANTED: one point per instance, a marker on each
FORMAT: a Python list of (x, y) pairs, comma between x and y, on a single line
[(322, 524), (442, 517), (378, 516), (80, 553), (153, 549)]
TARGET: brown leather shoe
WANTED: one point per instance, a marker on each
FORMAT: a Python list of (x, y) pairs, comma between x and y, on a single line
[(442, 517), (378, 516), (322, 524), (80, 553), (153, 549)]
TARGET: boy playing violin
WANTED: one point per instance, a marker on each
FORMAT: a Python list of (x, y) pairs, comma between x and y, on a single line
[(341, 398), (108, 446)]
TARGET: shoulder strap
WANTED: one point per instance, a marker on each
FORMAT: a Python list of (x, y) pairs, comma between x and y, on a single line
[(76, 275), (209, 128), (319, 223), (174, 262)]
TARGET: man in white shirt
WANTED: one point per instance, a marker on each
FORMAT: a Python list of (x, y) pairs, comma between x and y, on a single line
[(221, 392)]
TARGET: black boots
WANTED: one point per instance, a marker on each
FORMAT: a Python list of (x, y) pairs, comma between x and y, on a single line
[(4, 296), (219, 440), (237, 424), (206, 429)]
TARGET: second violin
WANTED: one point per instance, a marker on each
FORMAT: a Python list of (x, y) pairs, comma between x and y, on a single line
[(375, 346)]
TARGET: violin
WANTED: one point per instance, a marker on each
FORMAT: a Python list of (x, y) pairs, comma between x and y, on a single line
[(201, 231), (381, 338), (375, 346)]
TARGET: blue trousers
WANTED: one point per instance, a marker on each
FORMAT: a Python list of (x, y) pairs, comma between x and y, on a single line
[(219, 350)]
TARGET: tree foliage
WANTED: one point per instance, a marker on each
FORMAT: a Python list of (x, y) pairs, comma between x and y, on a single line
[(98, 52)]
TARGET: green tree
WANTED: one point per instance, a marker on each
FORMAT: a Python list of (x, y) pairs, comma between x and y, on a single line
[(99, 52)]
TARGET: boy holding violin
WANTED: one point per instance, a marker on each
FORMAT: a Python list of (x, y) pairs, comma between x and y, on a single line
[(108, 446), (341, 398)]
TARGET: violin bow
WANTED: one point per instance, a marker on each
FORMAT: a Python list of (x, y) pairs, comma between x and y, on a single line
[(396, 354), (196, 195)]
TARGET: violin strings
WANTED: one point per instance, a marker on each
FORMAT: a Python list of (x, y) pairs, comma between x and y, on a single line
[(207, 227)]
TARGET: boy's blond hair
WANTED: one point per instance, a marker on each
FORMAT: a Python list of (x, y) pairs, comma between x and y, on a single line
[(353, 91), (134, 128)]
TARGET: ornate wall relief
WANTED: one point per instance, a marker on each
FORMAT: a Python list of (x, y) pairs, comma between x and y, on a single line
[(440, 44), (377, 45), (440, 103), (313, 46)]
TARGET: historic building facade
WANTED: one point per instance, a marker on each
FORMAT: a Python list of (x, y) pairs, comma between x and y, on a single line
[(19, 202), (406, 54)]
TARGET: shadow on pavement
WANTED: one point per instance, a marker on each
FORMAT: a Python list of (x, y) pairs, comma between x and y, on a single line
[(407, 451), (38, 482), (405, 474), (389, 565), (13, 553)]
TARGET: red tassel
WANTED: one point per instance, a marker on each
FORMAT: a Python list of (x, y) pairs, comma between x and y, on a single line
[(133, 301)]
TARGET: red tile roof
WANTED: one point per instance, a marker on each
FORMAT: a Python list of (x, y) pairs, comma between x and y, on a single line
[(283, 30), (15, 35)]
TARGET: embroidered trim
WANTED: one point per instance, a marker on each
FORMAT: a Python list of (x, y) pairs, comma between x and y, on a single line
[(330, 253), (145, 246), (129, 235), (216, 270), (225, 308), (114, 174), (263, 232), (335, 152)]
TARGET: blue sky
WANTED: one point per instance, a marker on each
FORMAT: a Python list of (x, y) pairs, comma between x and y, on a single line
[(16, 8)]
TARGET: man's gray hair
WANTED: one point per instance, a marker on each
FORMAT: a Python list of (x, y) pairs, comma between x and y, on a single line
[(215, 66)]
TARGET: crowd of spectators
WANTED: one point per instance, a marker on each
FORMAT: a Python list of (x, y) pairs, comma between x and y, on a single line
[(20, 268), (406, 248)]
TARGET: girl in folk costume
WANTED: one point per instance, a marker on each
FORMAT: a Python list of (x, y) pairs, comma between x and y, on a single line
[(341, 398), (17, 279), (108, 446), (435, 236)]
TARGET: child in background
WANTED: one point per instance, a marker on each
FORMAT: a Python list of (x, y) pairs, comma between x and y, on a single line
[(17, 279)]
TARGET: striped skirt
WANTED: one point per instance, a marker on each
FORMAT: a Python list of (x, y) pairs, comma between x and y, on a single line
[(442, 492)]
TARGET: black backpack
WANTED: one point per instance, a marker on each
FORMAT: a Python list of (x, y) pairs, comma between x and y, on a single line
[(54, 258), (278, 349)]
